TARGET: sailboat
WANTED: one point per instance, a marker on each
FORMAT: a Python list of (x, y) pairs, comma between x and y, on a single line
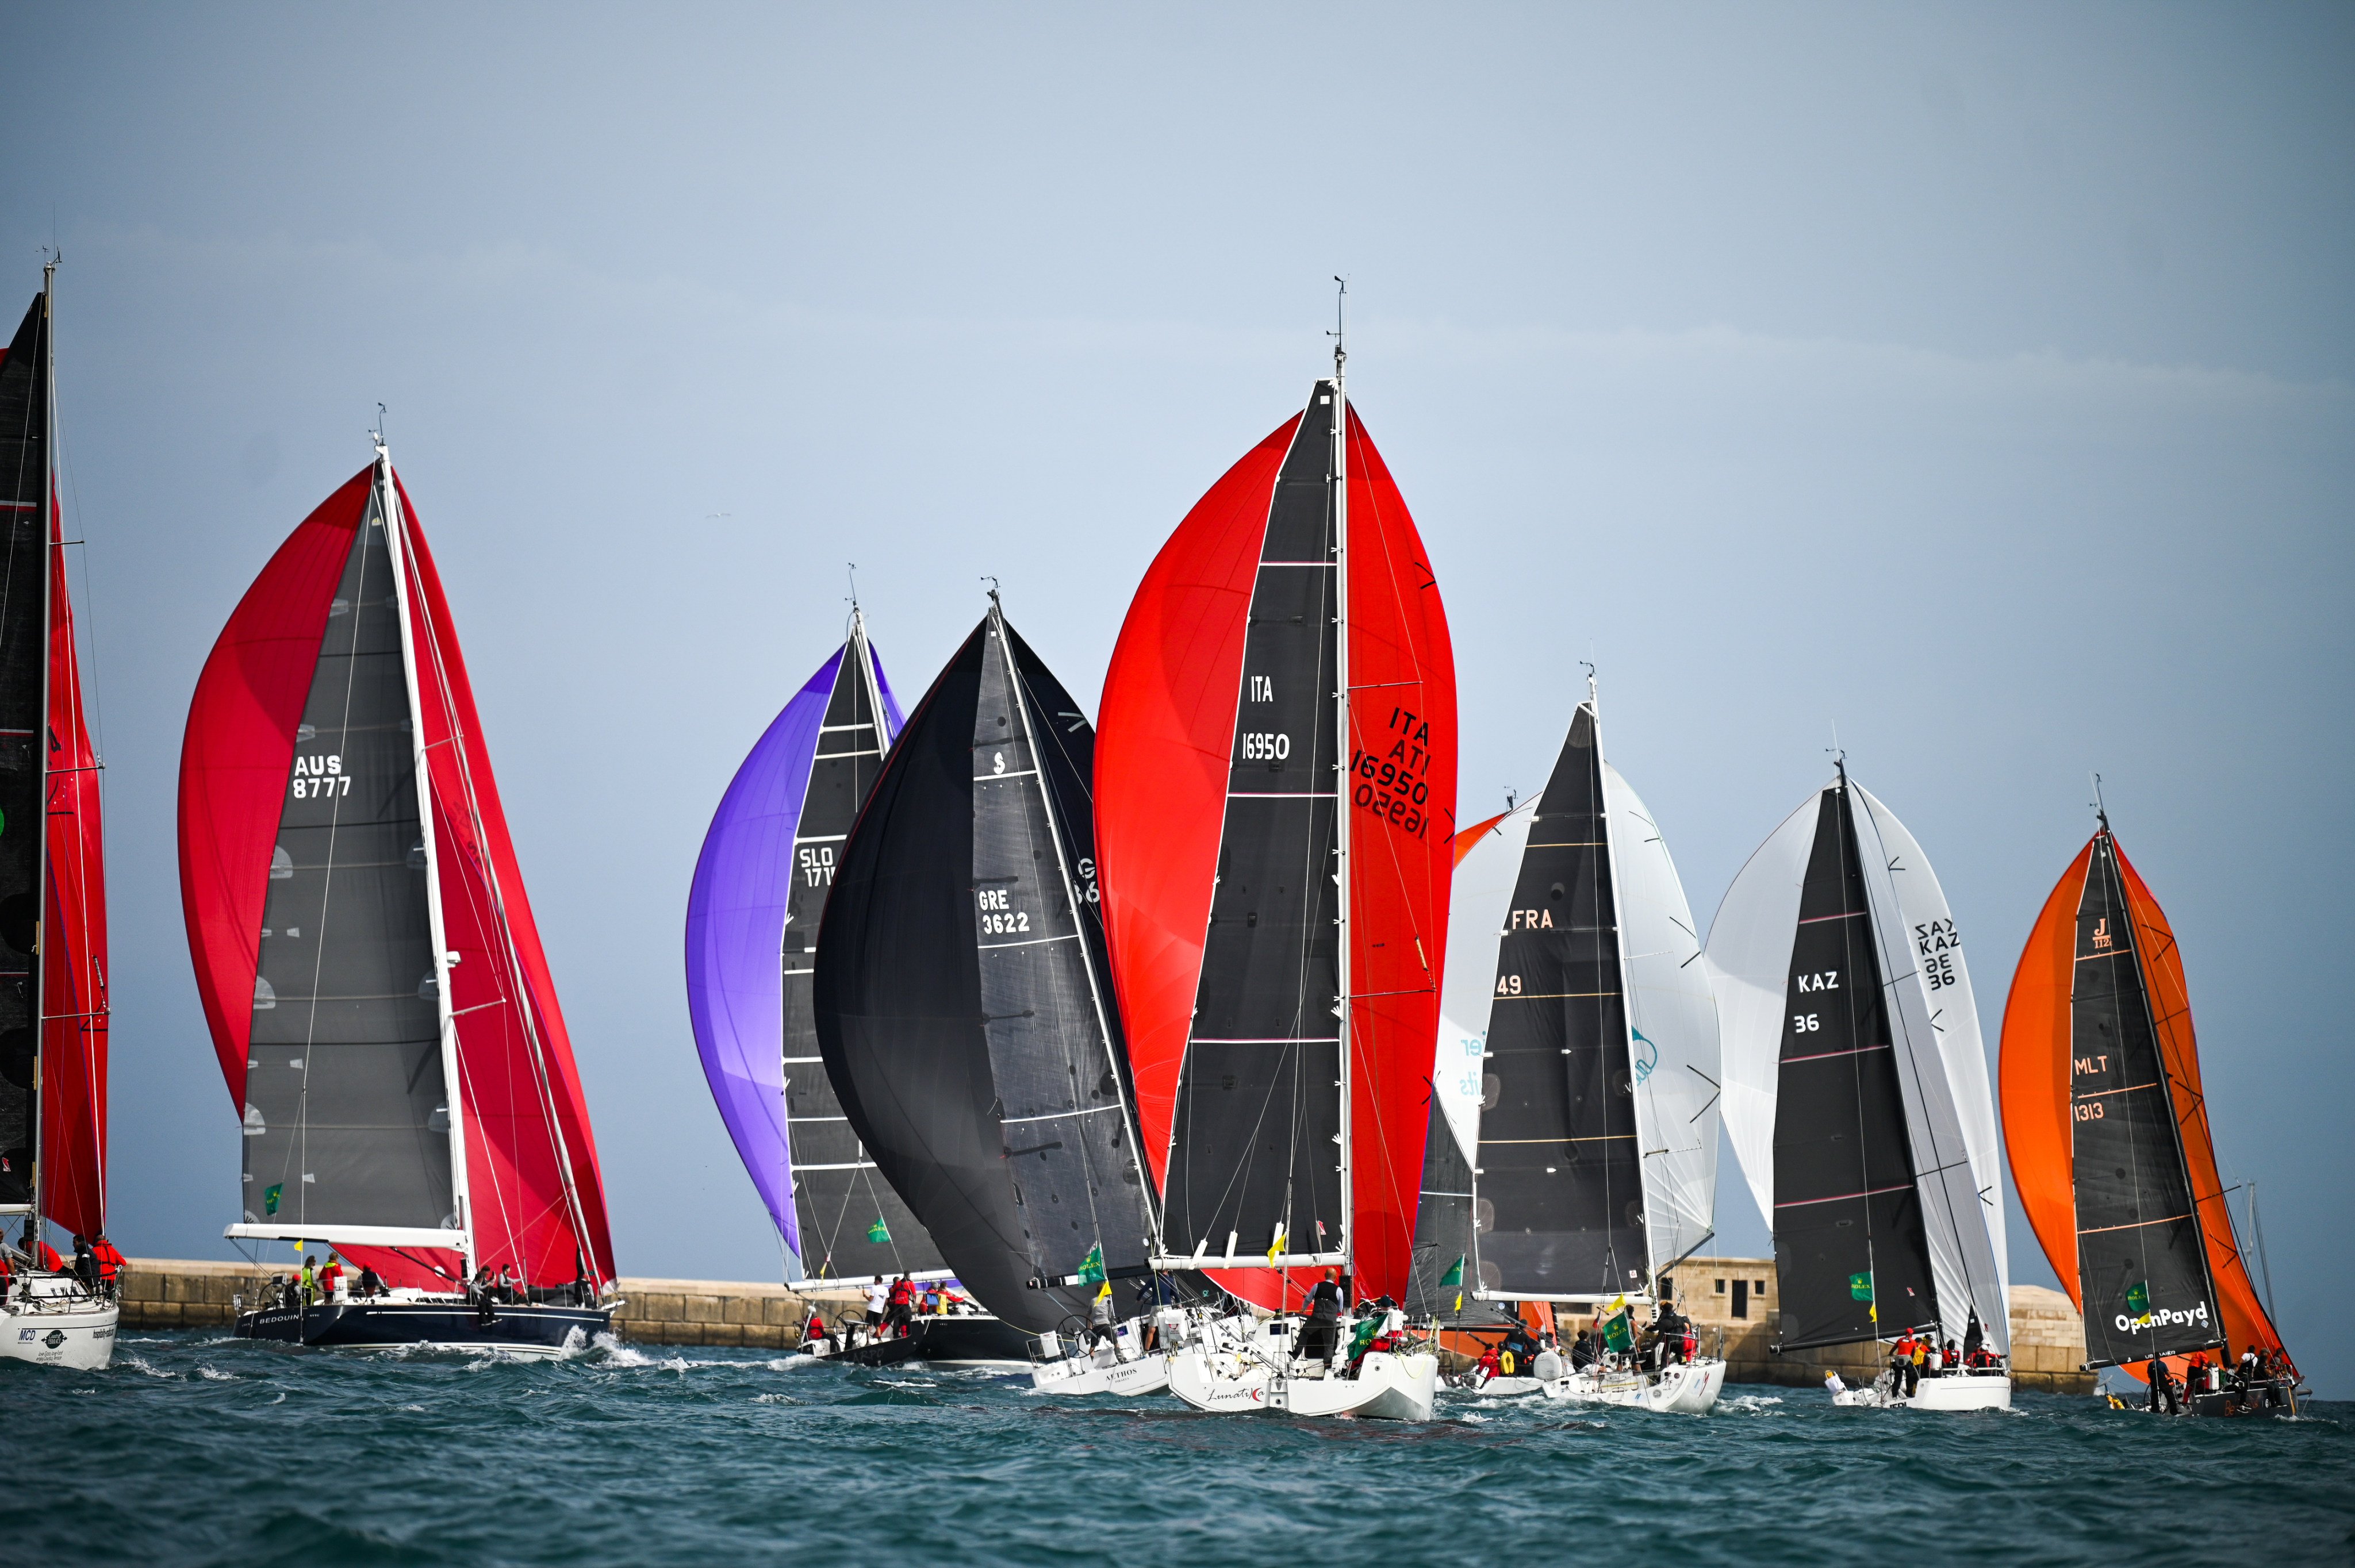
[(2111, 1150), (53, 1017), (368, 964), (964, 1010), (1856, 1093), (1274, 818), (761, 889), (1572, 942)]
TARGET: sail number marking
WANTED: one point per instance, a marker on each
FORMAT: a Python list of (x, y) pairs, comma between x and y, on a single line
[(998, 918), (1265, 746), (317, 778), (1509, 985), (816, 866), (1395, 785), (1805, 1022), (1937, 942), (1827, 980)]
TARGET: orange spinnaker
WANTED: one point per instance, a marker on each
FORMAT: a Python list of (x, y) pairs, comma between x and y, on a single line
[(2034, 1077)]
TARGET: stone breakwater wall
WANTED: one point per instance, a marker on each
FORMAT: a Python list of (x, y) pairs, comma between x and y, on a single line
[(175, 1293), (2048, 1338)]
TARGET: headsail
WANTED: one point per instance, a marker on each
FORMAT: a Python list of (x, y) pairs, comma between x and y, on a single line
[(364, 947), (962, 999), (760, 892), (1230, 868), (2107, 1128)]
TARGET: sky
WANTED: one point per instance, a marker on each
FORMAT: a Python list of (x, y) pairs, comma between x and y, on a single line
[(1972, 387)]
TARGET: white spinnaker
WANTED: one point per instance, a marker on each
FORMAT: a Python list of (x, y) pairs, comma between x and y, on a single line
[(1478, 901), (1672, 1015), (1941, 1063), (1749, 960)]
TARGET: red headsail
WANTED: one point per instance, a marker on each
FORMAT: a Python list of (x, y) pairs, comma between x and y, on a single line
[(73, 958), (1163, 757)]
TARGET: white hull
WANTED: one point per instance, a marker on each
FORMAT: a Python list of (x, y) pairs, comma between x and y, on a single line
[(1955, 1390), (60, 1326), (1688, 1388), (1080, 1375), (1226, 1383), (1509, 1387)]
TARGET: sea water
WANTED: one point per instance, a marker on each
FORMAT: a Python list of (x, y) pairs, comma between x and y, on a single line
[(198, 1449)]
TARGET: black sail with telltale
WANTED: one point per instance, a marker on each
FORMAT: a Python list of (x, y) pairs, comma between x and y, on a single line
[(24, 690), (962, 1001), (347, 1114), (2140, 1259), (1851, 1252), (853, 1226), (1255, 1152), (1560, 1168)]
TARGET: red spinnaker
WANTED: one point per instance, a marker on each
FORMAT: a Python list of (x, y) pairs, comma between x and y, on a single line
[(525, 1119), (73, 958), (1162, 761)]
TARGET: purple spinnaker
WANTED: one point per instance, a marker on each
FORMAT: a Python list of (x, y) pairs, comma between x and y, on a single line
[(735, 936)]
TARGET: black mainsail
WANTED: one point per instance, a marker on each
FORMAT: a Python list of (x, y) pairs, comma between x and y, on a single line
[(1559, 1157), (854, 1225), (963, 997), (348, 1106), (24, 700), (1253, 1175), (1852, 1255), (2140, 1259)]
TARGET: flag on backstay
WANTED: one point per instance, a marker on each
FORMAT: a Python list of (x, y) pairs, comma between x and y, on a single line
[(878, 1233), (1091, 1267), (270, 1196)]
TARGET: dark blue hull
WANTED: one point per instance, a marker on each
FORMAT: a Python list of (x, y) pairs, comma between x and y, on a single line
[(393, 1325), (955, 1338)]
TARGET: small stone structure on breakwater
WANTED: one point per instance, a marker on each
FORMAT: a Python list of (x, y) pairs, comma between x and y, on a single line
[(1736, 1295)]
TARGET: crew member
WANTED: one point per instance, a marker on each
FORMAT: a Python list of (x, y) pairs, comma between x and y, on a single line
[(1582, 1351), (85, 1266), (370, 1283), (1487, 1367), (902, 1298), (1316, 1335), (109, 1265), (2162, 1387), (309, 1281), (879, 1297), (330, 1275), (1667, 1337)]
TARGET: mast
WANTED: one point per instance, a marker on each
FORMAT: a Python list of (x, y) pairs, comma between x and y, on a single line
[(1619, 945), (389, 504), (1072, 896), (1341, 753), (47, 373)]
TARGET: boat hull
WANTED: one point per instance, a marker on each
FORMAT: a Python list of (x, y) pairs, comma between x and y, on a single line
[(1078, 1375), (1388, 1387), (1952, 1392), (78, 1334), (950, 1340), (531, 1330), (1688, 1388)]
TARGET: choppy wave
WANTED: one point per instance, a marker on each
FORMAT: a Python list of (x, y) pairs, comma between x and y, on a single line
[(198, 1449)]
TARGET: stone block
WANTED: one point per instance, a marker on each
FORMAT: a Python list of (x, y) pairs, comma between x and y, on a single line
[(721, 1334), (739, 1309), (660, 1307), (702, 1309)]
